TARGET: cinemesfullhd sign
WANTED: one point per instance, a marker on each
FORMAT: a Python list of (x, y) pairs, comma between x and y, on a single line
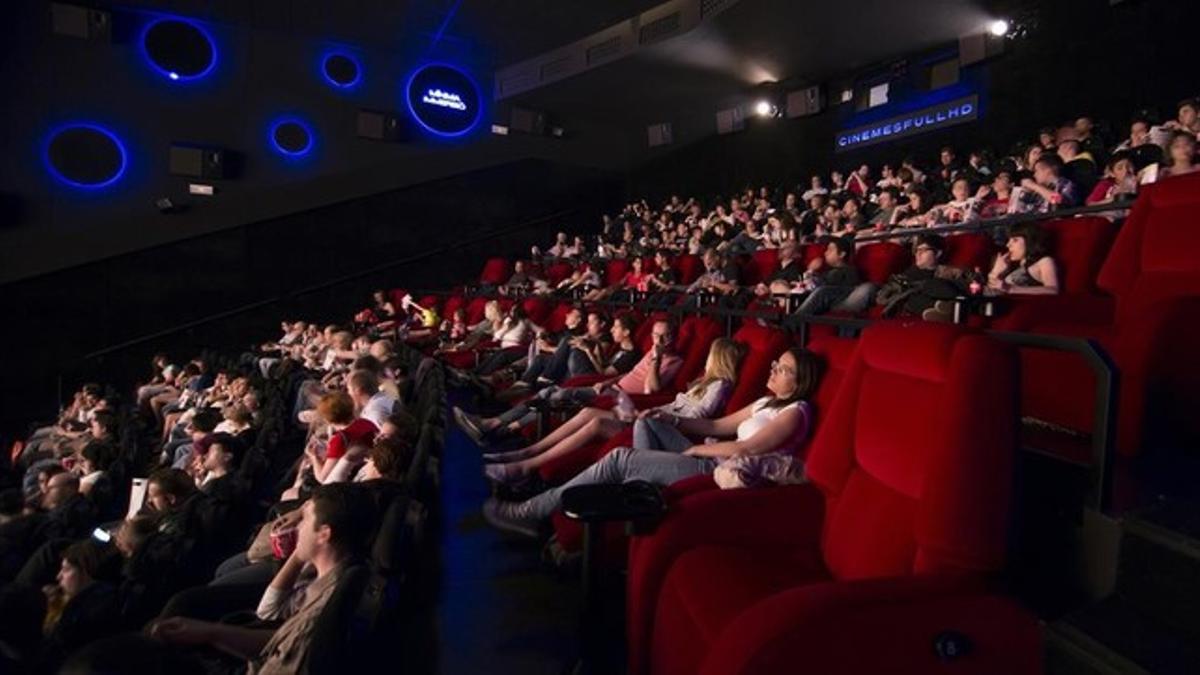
[(920, 121)]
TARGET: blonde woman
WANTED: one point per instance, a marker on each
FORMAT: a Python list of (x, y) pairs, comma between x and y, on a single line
[(702, 399)]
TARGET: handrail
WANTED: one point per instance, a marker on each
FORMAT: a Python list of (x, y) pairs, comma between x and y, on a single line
[(993, 223), (1103, 435), (323, 285)]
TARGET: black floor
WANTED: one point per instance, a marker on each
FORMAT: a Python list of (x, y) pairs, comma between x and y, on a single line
[(499, 609)]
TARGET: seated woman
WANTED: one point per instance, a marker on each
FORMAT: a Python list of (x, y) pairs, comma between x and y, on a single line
[(916, 212), (345, 433), (80, 607), (777, 423), (703, 398), (492, 320), (514, 332), (1026, 268), (1181, 157), (381, 313), (635, 280)]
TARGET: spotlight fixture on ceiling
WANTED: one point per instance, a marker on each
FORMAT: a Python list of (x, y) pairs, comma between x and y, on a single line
[(765, 108), (999, 27)]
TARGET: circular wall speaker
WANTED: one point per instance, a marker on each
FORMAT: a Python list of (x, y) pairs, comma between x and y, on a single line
[(179, 50), (341, 70), (443, 99), (85, 155), (291, 137)]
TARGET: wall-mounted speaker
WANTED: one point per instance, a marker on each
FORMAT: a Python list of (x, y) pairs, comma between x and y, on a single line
[(805, 102), (378, 125), (80, 22), (659, 134), (730, 120), (527, 121), (197, 162), (180, 50), (86, 156)]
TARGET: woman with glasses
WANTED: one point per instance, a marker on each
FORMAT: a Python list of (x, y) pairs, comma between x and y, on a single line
[(776, 424)]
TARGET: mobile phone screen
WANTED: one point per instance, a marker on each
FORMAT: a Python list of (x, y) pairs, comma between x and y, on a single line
[(101, 534)]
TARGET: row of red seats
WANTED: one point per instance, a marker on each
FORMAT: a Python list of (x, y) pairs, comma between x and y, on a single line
[(883, 561), (1132, 291)]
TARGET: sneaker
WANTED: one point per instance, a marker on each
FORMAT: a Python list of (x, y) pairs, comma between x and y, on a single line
[(941, 312), (469, 424), (511, 517)]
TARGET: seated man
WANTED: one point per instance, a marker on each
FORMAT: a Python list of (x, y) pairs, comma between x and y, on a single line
[(788, 273), (917, 290), (831, 284), (334, 527), (720, 277), (652, 372), (548, 353), (1047, 190)]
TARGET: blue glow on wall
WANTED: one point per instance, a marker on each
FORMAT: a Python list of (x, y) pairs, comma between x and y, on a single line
[(175, 75), (291, 128), (104, 182), (330, 60), (443, 100)]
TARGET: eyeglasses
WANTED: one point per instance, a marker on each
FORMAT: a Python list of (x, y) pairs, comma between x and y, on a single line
[(923, 247), (777, 367)]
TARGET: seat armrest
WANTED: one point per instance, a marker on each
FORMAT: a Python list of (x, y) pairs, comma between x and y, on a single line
[(1028, 311), (922, 624)]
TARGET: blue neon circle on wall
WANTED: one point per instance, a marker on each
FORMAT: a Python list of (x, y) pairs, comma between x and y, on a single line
[(291, 137), (341, 70), (179, 49), (85, 155), (444, 100)]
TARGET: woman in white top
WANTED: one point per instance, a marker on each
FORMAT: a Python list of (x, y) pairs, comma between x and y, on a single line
[(702, 399), (774, 424)]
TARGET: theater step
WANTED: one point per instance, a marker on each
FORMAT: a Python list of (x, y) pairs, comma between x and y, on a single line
[(1114, 637), (1151, 621), (1159, 568)]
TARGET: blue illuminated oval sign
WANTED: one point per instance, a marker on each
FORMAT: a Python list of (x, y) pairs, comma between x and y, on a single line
[(443, 100)]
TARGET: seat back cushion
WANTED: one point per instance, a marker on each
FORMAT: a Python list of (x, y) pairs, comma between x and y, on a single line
[(879, 261), (1079, 246), (495, 271), (763, 345), (915, 454)]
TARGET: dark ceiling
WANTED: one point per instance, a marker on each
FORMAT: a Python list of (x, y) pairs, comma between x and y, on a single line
[(755, 40), (492, 33), (796, 41)]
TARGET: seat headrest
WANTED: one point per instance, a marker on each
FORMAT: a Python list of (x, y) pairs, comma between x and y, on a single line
[(915, 349)]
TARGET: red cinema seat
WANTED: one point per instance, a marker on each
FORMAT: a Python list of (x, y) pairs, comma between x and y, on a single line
[(557, 272), (614, 271), (878, 262), (496, 272), (1149, 323), (890, 545), (810, 252), (970, 251), (475, 310), (759, 266), (688, 268), (557, 319), (537, 309)]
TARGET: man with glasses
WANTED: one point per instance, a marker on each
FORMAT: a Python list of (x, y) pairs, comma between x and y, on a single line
[(917, 290)]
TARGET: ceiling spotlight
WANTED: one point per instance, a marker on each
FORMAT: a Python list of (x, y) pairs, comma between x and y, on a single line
[(765, 108), (999, 28)]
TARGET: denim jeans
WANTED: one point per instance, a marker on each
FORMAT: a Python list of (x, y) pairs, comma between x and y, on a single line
[(621, 466), (651, 434)]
